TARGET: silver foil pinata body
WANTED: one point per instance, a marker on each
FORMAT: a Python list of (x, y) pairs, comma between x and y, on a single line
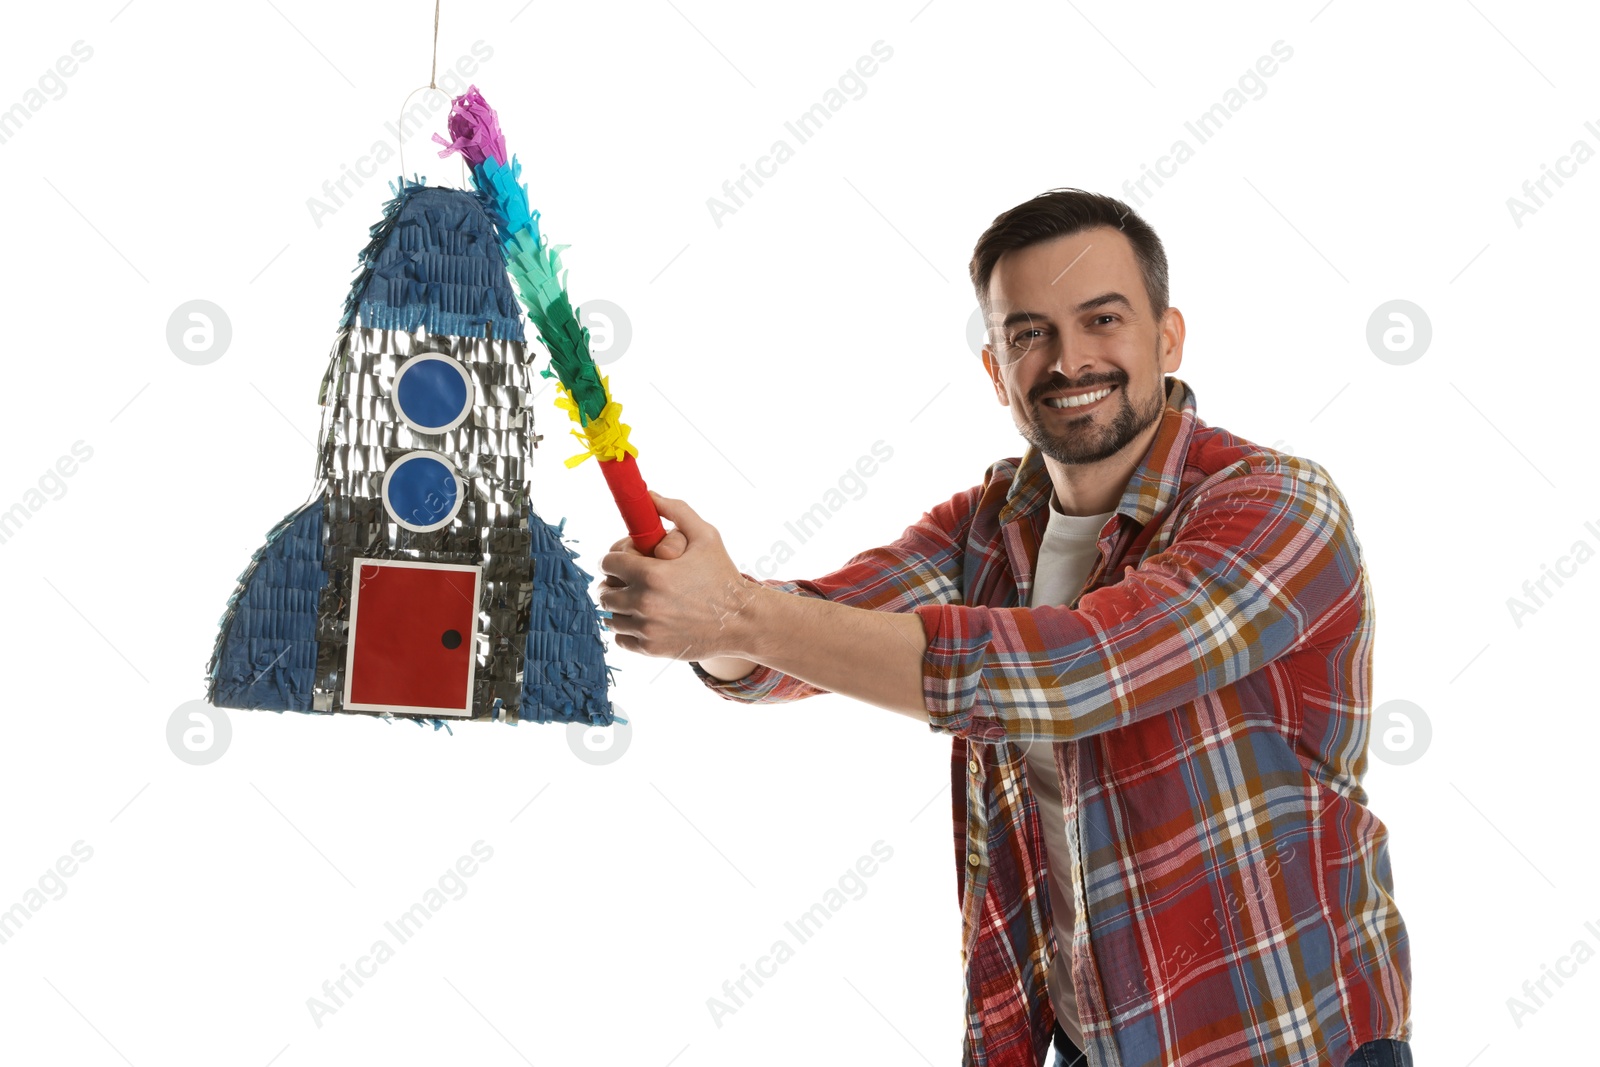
[(417, 580)]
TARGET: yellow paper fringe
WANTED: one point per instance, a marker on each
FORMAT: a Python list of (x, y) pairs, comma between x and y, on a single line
[(606, 436)]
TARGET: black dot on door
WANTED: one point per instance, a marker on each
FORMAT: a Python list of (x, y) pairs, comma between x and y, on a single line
[(451, 639)]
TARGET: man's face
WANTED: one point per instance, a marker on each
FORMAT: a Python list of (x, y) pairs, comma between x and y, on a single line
[(1069, 317)]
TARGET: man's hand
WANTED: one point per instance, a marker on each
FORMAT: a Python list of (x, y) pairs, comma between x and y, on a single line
[(684, 601), (689, 601)]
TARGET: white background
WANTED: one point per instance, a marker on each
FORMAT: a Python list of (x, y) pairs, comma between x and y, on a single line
[(768, 354)]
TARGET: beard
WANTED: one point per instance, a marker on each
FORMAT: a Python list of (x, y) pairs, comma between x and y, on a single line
[(1096, 435)]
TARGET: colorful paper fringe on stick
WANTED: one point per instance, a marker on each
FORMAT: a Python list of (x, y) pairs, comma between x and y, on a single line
[(416, 580), (584, 394)]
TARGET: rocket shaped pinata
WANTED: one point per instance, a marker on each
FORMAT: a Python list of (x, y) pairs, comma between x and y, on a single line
[(417, 580)]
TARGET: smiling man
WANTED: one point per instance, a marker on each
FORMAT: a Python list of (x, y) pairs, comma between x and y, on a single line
[(1150, 643)]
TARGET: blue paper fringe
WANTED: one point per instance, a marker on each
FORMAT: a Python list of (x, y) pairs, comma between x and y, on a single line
[(266, 647), (444, 270)]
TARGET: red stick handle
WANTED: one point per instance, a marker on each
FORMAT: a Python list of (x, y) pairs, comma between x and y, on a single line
[(633, 500)]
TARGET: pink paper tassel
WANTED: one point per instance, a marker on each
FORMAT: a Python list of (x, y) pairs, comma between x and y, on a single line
[(476, 129)]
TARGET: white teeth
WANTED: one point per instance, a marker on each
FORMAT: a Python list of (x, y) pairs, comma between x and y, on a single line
[(1078, 401)]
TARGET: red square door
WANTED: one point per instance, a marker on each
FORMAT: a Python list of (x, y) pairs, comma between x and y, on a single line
[(412, 629)]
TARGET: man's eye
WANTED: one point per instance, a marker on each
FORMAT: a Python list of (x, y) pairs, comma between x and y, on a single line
[(1113, 318), (1027, 335)]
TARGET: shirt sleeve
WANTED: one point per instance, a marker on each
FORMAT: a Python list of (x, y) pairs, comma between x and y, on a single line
[(922, 567), (1257, 563)]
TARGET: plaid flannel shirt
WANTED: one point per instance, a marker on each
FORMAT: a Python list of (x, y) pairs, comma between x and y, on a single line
[(1208, 694)]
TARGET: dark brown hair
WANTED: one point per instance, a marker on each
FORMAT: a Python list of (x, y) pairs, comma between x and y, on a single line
[(1058, 213)]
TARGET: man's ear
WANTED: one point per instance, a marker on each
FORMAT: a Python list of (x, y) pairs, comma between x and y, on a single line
[(1172, 332), (992, 367)]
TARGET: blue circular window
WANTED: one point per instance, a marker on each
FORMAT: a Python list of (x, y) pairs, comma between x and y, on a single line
[(422, 491), (433, 393)]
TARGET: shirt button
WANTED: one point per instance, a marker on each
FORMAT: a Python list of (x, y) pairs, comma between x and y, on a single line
[(972, 765), (972, 858)]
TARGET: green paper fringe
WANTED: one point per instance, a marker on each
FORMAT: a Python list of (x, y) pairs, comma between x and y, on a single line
[(537, 270)]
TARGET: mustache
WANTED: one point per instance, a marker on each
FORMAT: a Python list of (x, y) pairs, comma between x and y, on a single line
[(1062, 385)]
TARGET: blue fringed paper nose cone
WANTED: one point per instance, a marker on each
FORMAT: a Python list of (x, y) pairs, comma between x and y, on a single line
[(417, 580)]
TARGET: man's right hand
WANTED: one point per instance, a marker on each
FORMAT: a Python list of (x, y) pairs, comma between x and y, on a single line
[(727, 668)]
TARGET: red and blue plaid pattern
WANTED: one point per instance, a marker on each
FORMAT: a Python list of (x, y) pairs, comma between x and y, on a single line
[(1208, 693)]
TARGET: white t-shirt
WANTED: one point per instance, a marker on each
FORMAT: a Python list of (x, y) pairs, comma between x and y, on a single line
[(1067, 554)]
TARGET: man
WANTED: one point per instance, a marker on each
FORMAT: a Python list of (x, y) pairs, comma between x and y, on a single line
[(1150, 642)]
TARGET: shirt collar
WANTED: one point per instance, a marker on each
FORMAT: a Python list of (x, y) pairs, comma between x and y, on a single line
[(1152, 486)]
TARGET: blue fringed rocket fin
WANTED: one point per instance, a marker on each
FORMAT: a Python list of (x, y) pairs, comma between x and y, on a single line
[(567, 674), (266, 649)]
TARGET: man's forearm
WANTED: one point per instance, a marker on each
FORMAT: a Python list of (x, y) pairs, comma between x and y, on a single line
[(872, 656)]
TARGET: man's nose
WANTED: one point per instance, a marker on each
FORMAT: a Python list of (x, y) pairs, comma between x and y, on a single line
[(1071, 358)]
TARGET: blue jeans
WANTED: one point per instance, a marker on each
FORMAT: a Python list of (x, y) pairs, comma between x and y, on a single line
[(1382, 1053)]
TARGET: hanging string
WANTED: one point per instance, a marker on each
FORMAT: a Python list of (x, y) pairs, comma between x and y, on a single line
[(434, 72), (433, 77)]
